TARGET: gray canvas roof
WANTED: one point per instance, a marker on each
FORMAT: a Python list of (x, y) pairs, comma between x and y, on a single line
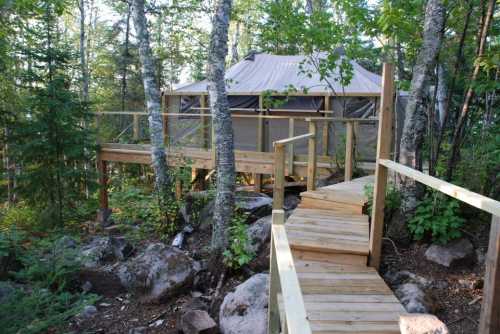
[(268, 72)]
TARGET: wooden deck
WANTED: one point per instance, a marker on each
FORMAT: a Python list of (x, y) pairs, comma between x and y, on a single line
[(246, 161), (329, 238)]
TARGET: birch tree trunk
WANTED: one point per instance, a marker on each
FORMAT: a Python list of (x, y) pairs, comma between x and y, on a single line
[(234, 49), (224, 138), (464, 113), (153, 106), (125, 60), (414, 125)]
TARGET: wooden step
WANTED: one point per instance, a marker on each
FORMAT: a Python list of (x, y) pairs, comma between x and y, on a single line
[(347, 299), (345, 196), (314, 231)]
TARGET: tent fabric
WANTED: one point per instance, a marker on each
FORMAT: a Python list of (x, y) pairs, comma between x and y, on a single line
[(268, 72)]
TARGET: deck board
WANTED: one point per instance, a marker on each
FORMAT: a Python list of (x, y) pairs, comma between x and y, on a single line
[(342, 295)]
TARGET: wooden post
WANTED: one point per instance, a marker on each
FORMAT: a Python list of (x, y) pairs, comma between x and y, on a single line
[(349, 145), (489, 321), (279, 177), (178, 189), (383, 152), (135, 134), (291, 151), (260, 142), (311, 160), (326, 126), (204, 123), (273, 324), (103, 183)]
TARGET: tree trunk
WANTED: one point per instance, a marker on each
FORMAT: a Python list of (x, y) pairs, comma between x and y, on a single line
[(234, 49), (83, 54), (125, 59), (414, 124), (456, 70), (153, 106), (224, 142), (458, 133)]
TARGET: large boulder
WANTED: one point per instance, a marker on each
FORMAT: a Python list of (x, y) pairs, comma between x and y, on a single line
[(457, 252), (256, 205), (157, 273), (259, 234), (421, 324), (244, 311), (103, 250), (414, 298)]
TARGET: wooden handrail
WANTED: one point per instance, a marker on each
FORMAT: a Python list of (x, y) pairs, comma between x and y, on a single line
[(479, 201), (284, 279), (293, 139)]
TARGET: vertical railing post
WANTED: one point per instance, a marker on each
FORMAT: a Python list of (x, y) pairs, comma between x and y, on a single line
[(291, 150), (279, 176), (135, 134), (349, 145), (383, 152), (311, 157), (273, 324), (260, 141), (326, 135), (204, 123), (103, 183), (489, 321)]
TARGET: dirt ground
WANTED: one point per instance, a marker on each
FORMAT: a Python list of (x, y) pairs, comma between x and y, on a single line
[(456, 292)]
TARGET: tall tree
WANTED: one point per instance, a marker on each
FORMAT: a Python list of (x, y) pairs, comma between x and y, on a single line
[(464, 112), (414, 125), (224, 137), (83, 53), (152, 94)]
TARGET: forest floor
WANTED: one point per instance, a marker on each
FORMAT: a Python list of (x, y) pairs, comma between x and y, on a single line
[(456, 292)]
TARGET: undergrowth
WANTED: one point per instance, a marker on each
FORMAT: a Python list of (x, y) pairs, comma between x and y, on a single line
[(239, 252)]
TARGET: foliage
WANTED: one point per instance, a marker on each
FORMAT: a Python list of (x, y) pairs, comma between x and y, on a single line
[(437, 217), (20, 215), (392, 198), (239, 253), (42, 297)]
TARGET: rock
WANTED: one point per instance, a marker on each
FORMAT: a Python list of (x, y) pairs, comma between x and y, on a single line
[(103, 280), (421, 324), (105, 249), (138, 330), (414, 299), (259, 233), (404, 276), (291, 202), (455, 253), (157, 273), (88, 311), (257, 205), (64, 243), (198, 322), (244, 311), (87, 286), (397, 229)]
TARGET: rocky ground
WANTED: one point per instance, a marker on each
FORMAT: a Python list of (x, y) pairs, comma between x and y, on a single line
[(445, 281)]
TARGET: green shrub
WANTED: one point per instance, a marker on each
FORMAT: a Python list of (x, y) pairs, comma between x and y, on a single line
[(239, 253), (21, 215), (437, 217), (392, 198)]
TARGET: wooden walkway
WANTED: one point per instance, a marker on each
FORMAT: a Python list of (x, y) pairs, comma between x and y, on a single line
[(329, 239)]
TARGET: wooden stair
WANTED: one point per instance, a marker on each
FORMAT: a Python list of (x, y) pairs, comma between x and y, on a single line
[(329, 238)]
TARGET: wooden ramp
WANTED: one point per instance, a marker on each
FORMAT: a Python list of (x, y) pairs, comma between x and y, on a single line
[(329, 237)]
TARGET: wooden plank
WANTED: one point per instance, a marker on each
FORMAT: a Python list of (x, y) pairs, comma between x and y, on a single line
[(383, 152), (291, 151), (354, 328), (479, 201), (135, 134), (337, 196), (311, 161), (334, 258), (294, 139), (103, 183), (260, 142), (313, 203), (490, 311), (273, 324), (296, 317), (279, 177), (205, 124), (349, 146), (326, 126)]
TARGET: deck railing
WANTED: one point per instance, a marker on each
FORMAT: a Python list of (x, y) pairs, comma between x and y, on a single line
[(283, 277), (490, 311)]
